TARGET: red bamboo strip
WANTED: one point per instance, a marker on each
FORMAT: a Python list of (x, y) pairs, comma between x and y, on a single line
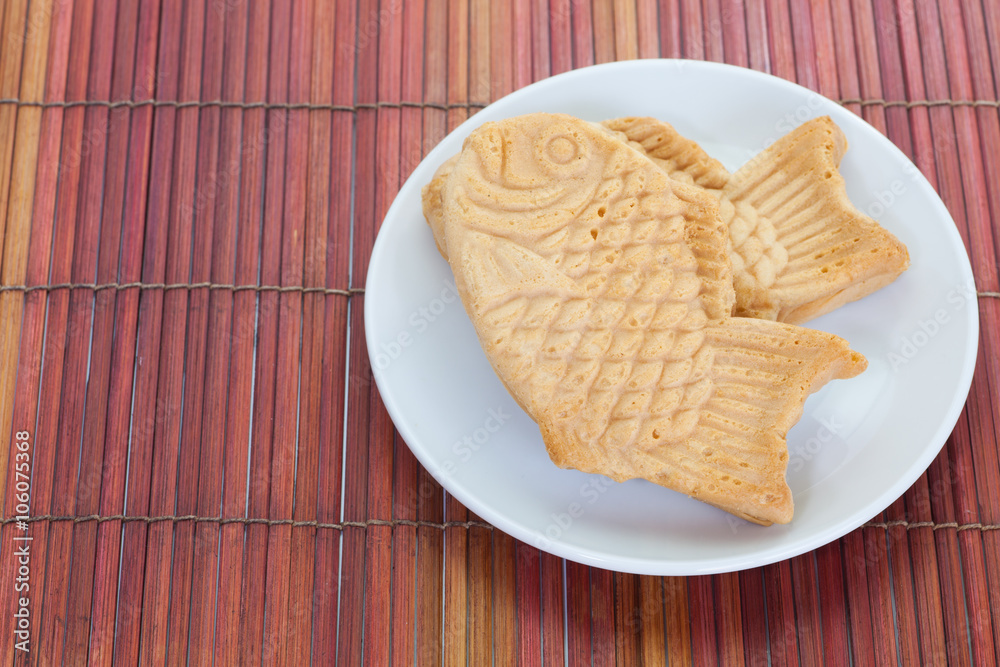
[(860, 613), (646, 24), (14, 21), (808, 615), (981, 243), (430, 565), (560, 35), (652, 631), (891, 69), (291, 386), (479, 52), (947, 127), (225, 345), (583, 33), (15, 221), (833, 607), (501, 55), (430, 503), (692, 36), (626, 31), (553, 623), (302, 588), (529, 612), (521, 26), (926, 584), (504, 591), (677, 618), (734, 33), (781, 626), (35, 463), (846, 55), (728, 603), (903, 599), (985, 409), (754, 611), (578, 607), (456, 577), (332, 419), (602, 616), (868, 63), (757, 42), (669, 29), (406, 470), (603, 21), (877, 559), (941, 476), (52, 229), (353, 568), (170, 237), (779, 32), (455, 630), (86, 488), (626, 618), (825, 45), (70, 315), (195, 452), (378, 602), (480, 614), (804, 45), (134, 364), (703, 618), (711, 30), (249, 177), (539, 40)]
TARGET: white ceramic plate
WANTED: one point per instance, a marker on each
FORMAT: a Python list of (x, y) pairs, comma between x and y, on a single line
[(860, 443)]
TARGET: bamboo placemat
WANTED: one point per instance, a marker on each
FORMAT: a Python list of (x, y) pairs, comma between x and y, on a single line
[(189, 193)]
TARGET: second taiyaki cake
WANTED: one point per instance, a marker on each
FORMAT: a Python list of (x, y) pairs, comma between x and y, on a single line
[(799, 247), (601, 291)]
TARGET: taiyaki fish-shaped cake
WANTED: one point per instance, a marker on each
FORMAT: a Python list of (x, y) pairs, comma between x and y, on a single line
[(799, 247), (601, 292)]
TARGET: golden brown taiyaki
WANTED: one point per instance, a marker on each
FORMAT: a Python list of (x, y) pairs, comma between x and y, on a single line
[(601, 292), (799, 248)]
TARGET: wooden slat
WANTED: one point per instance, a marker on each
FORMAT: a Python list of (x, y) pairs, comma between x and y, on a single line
[(248, 180), (16, 202)]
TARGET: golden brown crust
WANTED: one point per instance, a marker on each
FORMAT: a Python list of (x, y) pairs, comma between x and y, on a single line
[(600, 292)]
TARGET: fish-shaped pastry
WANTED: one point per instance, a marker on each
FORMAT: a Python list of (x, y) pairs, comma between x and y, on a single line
[(601, 292), (799, 247)]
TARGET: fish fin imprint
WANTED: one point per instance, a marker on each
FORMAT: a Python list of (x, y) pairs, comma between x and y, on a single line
[(684, 160), (433, 204)]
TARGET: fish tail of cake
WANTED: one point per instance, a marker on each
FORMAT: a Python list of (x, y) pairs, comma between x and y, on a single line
[(804, 249)]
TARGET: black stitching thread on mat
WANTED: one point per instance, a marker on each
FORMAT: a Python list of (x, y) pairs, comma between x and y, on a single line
[(221, 104), (291, 106), (909, 525), (340, 525), (172, 286), (351, 291)]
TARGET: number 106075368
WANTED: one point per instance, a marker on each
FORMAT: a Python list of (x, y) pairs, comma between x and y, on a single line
[(22, 473)]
